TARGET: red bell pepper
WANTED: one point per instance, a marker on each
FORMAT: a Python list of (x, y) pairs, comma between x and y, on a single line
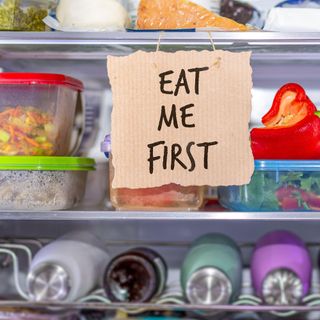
[(292, 129)]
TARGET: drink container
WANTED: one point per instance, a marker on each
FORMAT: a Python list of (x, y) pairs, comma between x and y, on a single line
[(212, 271), (67, 269), (281, 268), (137, 275)]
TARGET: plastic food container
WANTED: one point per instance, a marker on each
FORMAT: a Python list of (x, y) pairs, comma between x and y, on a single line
[(42, 183), (24, 15), (37, 114), (167, 197), (277, 186)]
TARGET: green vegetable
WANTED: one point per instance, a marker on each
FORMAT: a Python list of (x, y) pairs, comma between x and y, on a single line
[(41, 139), (261, 192), (17, 18), (4, 136)]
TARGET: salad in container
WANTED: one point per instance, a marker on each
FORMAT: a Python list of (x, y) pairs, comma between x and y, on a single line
[(287, 153)]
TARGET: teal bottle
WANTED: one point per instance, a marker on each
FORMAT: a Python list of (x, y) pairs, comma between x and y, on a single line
[(212, 271)]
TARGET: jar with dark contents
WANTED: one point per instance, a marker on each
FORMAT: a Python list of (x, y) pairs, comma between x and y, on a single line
[(238, 11), (137, 275)]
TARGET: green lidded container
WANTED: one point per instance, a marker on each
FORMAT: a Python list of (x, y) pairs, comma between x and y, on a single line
[(43, 183), (35, 163), (211, 273)]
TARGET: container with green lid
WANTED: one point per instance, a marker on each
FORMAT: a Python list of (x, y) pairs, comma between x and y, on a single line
[(43, 183)]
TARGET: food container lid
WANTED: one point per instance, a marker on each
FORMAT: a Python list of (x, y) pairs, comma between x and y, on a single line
[(34, 163), (287, 165), (40, 78)]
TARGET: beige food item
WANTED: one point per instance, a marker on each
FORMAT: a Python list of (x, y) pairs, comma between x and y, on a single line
[(179, 14), (95, 15)]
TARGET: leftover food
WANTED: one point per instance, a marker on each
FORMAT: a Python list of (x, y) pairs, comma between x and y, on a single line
[(181, 14), (291, 127), (26, 131), (14, 16), (94, 15)]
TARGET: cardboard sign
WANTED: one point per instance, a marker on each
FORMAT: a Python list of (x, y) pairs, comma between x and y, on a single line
[(181, 118)]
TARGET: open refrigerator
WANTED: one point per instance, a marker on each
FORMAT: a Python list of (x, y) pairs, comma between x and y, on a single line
[(277, 58)]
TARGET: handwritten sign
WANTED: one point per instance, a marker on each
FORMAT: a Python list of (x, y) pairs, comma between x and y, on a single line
[(181, 118)]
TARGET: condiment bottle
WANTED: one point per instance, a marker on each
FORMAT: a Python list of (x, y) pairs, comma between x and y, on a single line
[(67, 269), (137, 275), (281, 268), (212, 271)]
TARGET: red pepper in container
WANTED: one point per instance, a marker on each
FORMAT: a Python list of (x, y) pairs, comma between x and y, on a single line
[(292, 128)]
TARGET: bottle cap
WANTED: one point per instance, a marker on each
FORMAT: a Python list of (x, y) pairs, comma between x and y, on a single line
[(48, 282), (209, 286), (282, 287)]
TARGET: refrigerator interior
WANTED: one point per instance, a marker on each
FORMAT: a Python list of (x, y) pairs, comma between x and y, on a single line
[(170, 233)]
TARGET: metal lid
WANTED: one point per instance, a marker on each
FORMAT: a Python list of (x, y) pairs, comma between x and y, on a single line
[(209, 286), (130, 278), (49, 282), (282, 287)]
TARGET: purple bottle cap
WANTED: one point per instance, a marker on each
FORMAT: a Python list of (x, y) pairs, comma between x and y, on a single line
[(281, 262), (106, 145)]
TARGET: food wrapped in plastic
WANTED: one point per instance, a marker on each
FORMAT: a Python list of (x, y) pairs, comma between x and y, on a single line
[(24, 15), (302, 18), (93, 15), (181, 14)]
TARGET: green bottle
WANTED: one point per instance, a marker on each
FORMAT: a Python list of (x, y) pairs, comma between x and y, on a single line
[(212, 271)]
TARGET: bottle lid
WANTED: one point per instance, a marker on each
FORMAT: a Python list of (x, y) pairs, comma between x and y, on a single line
[(130, 278), (49, 282), (209, 286), (282, 287)]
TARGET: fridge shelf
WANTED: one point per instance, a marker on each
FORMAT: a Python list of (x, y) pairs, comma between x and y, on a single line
[(280, 311), (79, 45), (99, 214)]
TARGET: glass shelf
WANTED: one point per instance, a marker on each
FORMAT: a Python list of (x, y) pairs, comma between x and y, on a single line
[(72, 45), (101, 214)]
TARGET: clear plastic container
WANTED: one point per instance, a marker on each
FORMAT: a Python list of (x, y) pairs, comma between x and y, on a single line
[(277, 186), (167, 197), (24, 15), (37, 114), (42, 183)]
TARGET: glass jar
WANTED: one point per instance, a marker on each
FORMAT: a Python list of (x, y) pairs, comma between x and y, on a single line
[(167, 197)]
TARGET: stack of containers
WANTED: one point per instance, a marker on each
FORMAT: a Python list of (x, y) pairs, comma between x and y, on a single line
[(37, 141), (287, 154)]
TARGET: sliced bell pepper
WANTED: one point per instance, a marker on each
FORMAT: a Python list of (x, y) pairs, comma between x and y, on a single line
[(292, 128)]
